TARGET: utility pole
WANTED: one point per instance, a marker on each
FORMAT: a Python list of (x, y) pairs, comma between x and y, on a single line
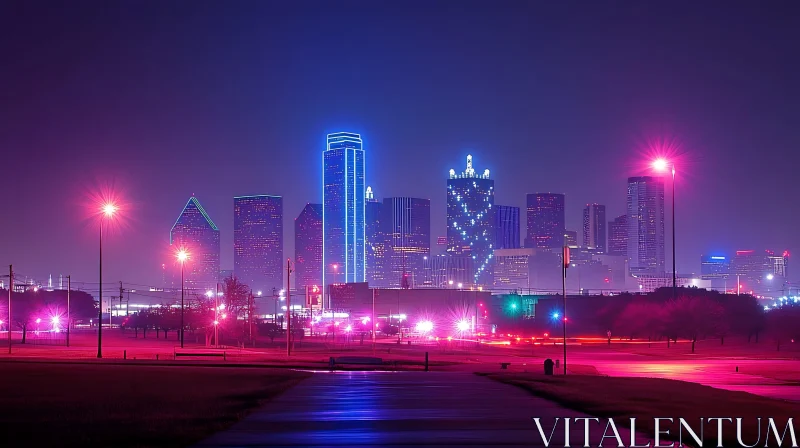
[(216, 314), (121, 291), (10, 288), (288, 309), (250, 316), (564, 265), (373, 321), (100, 300), (69, 288)]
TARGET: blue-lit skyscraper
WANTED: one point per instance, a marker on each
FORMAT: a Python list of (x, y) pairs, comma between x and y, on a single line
[(471, 220), (258, 241), (343, 198)]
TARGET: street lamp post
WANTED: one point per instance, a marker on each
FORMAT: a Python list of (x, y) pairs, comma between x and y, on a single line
[(182, 257), (108, 211)]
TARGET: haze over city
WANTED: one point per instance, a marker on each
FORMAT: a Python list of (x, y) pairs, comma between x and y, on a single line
[(162, 103)]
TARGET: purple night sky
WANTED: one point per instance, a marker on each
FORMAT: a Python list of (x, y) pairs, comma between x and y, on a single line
[(168, 99)]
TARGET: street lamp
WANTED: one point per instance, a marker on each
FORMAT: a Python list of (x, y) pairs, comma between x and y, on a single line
[(182, 256), (661, 165), (108, 209)]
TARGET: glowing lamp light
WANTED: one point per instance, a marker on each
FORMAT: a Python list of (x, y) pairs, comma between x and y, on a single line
[(38, 320), (209, 294), (224, 316), (216, 322), (462, 325), (555, 315), (349, 328), (182, 255), (425, 326), (514, 305), (55, 320), (258, 293), (109, 209), (660, 164), (770, 276)]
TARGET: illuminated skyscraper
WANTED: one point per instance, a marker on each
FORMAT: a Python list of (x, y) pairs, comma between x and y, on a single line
[(308, 246), (546, 221), (343, 207), (594, 227), (197, 234), (506, 227), (618, 236), (406, 224), (471, 220), (375, 242), (646, 225), (258, 241)]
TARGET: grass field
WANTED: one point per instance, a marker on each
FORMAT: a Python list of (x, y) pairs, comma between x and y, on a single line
[(647, 398), (101, 405)]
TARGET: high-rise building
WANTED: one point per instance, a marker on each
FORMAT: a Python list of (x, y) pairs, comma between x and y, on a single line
[(406, 224), (571, 238), (470, 219), (308, 246), (258, 241), (195, 232), (618, 236), (343, 207), (594, 227), (375, 242), (447, 271), (546, 220), (646, 225), (712, 266), (506, 227), (512, 269)]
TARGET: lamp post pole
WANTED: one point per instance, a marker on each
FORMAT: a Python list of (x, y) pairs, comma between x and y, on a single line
[(674, 272), (100, 300), (69, 288), (182, 264)]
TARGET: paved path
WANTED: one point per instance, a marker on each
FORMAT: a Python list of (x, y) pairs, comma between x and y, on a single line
[(402, 408)]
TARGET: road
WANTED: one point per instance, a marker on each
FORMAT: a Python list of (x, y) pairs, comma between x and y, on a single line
[(402, 408)]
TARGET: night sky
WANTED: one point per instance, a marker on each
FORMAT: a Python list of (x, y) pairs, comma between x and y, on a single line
[(162, 100)]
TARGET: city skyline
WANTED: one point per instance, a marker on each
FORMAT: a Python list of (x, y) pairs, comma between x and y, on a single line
[(151, 123)]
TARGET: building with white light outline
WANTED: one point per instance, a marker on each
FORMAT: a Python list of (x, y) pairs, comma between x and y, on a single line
[(471, 221), (343, 209)]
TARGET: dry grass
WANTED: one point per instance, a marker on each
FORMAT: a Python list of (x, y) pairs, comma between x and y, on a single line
[(647, 398), (127, 406)]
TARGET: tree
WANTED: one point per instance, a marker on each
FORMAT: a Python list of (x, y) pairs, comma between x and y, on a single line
[(691, 317), (782, 324), (640, 318), (25, 309)]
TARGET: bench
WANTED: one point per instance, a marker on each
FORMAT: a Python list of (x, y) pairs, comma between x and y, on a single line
[(209, 355), (356, 360), (504, 365)]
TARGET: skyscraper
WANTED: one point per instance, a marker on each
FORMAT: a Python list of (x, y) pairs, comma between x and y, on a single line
[(506, 227), (571, 238), (406, 224), (618, 236), (343, 208), (308, 246), (594, 227), (258, 241), (375, 242), (646, 225), (546, 220), (470, 219), (195, 232)]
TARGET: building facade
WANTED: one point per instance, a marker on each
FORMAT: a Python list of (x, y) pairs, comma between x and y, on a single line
[(471, 220), (571, 238), (375, 242), (343, 209), (546, 220), (512, 270), (195, 232), (258, 241), (594, 227), (406, 224), (646, 225), (618, 236), (447, 271), (506, 227), (308, 247)]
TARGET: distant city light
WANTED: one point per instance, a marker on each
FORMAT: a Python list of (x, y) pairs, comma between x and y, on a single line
[(770, 276), (209, 294)]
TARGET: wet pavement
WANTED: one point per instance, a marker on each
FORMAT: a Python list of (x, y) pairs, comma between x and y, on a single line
[(402, 408)]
